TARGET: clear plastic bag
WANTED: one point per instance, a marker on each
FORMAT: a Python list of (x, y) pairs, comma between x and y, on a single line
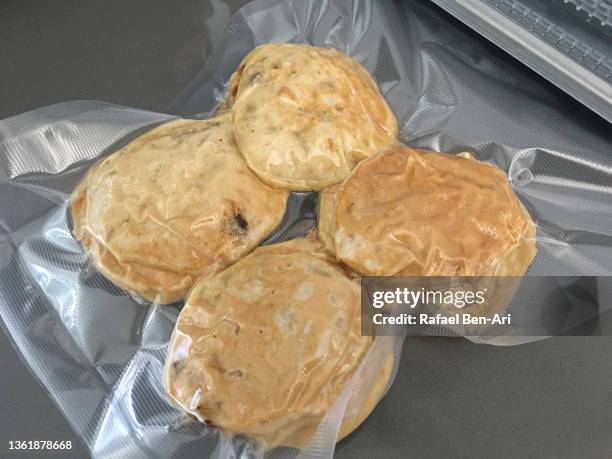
[(100, 355), (175, 204)]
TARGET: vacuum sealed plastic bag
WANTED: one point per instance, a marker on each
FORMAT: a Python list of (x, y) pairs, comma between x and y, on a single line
[(266, 346), (171, 206), (304, 116), (100, 354), (102, 349)]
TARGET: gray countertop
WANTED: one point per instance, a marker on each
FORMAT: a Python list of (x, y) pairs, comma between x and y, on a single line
[(549, 399)]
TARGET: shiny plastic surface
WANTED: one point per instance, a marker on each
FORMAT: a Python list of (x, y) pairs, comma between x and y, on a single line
[(409, 212), (100, 354), (265, 347), (175, 204), (570, 51), (304, 116)]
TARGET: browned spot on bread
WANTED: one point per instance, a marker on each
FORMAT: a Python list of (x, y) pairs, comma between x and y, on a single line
[(236, 224), (241, 222)]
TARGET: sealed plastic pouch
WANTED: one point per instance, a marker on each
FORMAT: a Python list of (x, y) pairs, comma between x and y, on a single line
[(101, 355)]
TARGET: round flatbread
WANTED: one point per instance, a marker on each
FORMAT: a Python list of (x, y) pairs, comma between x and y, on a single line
[(305, 116), (174, 204), (265, 347), (413, 213)]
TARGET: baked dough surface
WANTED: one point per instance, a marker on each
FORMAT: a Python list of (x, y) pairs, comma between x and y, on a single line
[(175, 203), (305, 116), (265, 347), (407, 212)]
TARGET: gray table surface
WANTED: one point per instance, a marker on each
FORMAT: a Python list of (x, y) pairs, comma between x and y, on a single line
[(451, 399)]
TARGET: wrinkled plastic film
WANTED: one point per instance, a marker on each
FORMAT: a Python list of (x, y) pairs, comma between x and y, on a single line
[(46, 272), (141, 216), (232, 336), (355, 395), (100, 355), (305, 121), (445, 100)]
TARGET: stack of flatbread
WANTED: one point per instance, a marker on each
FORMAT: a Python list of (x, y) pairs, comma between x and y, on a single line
[(269, 336)]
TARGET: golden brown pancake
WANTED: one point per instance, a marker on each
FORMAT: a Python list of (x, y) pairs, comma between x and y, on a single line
[(265, 347), (175, 203), (305, 116), (412, 213)]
